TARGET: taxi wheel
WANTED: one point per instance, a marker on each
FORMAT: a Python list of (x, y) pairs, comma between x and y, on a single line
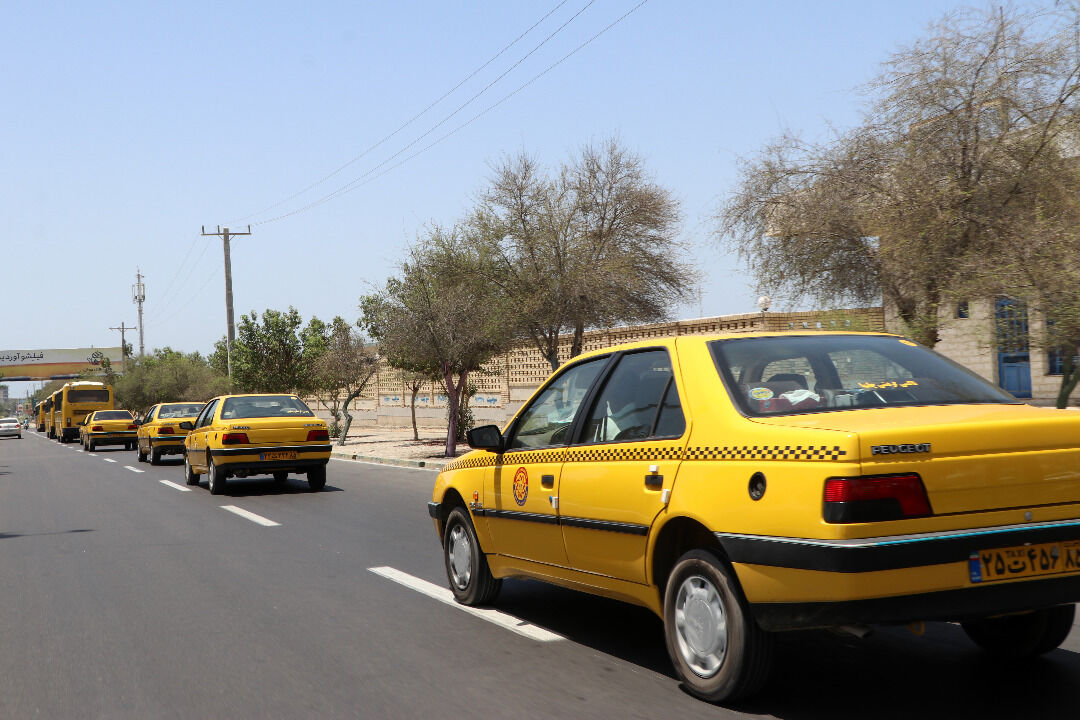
[(142, 455), (189, 474), (215, 478), (717, 647), (1016, 637), (466, 566), (90, 445), (155, 457), (316, 478)]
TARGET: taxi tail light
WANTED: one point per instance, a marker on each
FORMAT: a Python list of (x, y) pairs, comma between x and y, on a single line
[(875, 498), (133, 426), (314, 435), (234, 438), (98, 428), (165, 430)]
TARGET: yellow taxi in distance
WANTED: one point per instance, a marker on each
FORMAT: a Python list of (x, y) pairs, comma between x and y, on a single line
[(160, 433), (108, 427), (244, 435), (745, 484)]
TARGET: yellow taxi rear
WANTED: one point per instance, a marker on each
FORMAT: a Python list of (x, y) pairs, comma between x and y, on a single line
[(250, 435), (108, 427), (160, 433)]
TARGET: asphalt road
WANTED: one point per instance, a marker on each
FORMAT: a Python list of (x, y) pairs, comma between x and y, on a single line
[(125, 597)]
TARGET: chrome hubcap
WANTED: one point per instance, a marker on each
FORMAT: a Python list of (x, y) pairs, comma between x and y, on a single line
[(459, 550), (701, 626)]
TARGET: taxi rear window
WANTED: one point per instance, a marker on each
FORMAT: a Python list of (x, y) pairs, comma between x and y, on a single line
[(112, 415), (786, 375), (236, 408), (180, 410)]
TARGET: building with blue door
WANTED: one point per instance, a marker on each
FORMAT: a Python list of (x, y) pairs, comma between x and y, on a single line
[(1001, 340)]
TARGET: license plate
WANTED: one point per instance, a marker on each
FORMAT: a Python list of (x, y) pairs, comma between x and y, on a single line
[(1024, 561), (280, 455)]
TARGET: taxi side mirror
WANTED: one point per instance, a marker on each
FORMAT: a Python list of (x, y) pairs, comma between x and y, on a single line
[(186, 425), (485, 437)]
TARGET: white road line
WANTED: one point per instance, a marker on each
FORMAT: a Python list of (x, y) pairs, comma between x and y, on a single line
[(173, 485), (108, 459), (133, 469), (444, 595), (259, 519)]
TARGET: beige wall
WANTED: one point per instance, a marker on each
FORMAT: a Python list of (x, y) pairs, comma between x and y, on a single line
[(509, 379)]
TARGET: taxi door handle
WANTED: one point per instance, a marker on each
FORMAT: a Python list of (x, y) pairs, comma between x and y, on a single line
[(547, 481), (654, 480)]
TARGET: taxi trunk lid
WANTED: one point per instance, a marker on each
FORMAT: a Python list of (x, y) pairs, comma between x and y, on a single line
[(971, 458), (276, 431)]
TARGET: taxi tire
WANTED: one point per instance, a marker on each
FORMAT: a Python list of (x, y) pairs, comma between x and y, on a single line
[(155, 457), (480, 587), (90, 446), (316, 478), (189, 474), (1018, 637), (747, 659), (142, 456), (215, 477)]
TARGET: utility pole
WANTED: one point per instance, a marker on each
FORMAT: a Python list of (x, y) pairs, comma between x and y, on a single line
[(123, 346), (138, 296), (230, 337)]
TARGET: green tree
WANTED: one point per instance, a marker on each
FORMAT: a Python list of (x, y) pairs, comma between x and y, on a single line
[(967, 137), (167, 375), (592, 245), (268, 355), (441, 316), (344, 364)]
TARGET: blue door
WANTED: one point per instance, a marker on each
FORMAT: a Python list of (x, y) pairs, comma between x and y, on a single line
[(1014, 357)]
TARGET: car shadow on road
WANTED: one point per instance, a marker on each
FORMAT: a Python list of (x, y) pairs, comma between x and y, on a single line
[(820, 675), (255, 487), (6, 535)]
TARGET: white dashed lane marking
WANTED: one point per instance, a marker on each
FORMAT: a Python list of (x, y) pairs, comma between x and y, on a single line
[(133, 469), (258, 519), (174, 486), (108, 459), (444, 595)]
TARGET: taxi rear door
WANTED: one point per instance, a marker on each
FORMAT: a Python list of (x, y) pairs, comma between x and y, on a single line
[(619, 474)]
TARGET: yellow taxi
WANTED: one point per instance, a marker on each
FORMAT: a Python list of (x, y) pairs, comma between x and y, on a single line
[(245, 435), (160, 433), (108, 427), (746, 484)]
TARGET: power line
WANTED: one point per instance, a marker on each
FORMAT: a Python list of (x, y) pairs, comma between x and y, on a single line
[(361, 181), (468, 102), (163, 307), (179, 269), (411, 120)]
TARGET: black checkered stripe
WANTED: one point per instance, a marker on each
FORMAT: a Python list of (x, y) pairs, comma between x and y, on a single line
[(606, 453), (510, 458), (764, 452)]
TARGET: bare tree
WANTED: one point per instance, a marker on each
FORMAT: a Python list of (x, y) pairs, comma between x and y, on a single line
[(592, 246), (347, 363), (963, 132)]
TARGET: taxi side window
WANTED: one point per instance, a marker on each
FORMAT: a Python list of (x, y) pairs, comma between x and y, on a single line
[(547, 420), (638, 401), (207, 414)]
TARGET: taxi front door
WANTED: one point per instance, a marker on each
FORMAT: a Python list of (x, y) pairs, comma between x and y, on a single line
[(523, 510)]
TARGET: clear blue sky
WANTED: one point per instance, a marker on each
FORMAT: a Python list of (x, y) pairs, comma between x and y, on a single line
[(127, 126)]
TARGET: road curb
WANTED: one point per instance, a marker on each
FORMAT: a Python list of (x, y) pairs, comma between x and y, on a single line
[(399, 462)]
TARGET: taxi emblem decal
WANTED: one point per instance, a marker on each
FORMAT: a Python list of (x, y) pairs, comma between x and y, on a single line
[(521, 486)]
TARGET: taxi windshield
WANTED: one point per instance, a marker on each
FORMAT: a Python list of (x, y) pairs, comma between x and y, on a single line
[(786, 375), (179, 410), (264, 406)]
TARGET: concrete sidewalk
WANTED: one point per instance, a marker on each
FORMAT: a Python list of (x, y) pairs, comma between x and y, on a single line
[(395, 446)]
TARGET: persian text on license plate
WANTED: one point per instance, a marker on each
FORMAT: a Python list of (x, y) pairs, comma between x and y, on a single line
[(279, 455), (1025, 561)]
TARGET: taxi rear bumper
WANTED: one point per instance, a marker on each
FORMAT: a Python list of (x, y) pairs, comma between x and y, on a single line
[(247, 460)]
